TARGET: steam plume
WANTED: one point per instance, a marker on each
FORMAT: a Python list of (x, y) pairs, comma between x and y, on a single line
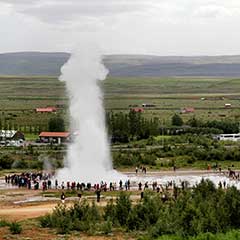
[(88, 157)]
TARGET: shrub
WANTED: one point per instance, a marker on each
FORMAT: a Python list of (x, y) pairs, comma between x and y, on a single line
[(177, 120), (4, 223), (80, 217), (146, 213), (107, 226), (123, 207), (110, 212), (46, 221), (15, 228), (6, 162)]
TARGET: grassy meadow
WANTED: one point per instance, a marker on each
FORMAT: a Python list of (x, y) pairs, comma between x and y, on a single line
[(19, 96), (170, 95)]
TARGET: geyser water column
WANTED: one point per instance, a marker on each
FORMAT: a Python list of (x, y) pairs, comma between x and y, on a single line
[(88, 158)]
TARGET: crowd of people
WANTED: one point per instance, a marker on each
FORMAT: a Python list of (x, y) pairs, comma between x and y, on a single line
[(30, 180), (46, 180)]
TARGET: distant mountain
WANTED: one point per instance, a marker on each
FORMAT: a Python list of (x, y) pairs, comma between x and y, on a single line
[(38, 63), (151, 66), (32, 63)]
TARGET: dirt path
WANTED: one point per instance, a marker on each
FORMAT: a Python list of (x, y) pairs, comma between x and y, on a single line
[(25, 212), (21, 212)]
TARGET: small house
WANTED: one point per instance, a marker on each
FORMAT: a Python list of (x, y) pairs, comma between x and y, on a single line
[(228, 105), (146, 105), (137, 110), (46, 110), (10, 135), (188, 110), (54, 137)]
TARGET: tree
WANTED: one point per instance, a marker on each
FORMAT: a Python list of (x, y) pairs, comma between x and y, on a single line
[(56, 125), (6, 162), (123, 208), (135, 123), (177, 120)]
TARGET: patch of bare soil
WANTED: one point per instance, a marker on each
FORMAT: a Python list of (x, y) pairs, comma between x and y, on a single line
[(32, 232), (17, 213)]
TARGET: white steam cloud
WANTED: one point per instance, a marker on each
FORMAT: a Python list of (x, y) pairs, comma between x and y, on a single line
[(88, 158)]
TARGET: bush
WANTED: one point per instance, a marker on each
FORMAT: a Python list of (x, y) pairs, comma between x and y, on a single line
[(177, 120), (231, 235), (56, 124), (146, 213), (123, 207), (15, 228), (6, 162), (21, 164), (46, 221), (107, 226), (110, 212), (80, 217), (4, 223)]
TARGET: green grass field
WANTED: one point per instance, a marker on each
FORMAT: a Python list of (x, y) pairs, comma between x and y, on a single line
[(19, 96), (169, 95)]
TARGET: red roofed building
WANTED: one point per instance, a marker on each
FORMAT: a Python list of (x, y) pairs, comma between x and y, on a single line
[(46, 110), (54, 137), (137, 110), (188, 110)]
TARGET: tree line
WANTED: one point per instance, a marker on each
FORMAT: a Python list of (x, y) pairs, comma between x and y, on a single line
[(55, 124), (125, 127)]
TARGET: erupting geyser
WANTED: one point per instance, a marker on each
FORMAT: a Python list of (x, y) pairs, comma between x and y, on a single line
[(88, 158)]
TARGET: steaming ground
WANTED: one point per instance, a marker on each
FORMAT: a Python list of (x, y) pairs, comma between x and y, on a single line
[(88, 157), (191, 177), (163, 178)]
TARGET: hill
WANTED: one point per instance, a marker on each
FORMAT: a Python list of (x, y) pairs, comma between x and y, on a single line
[(38, 63), (32, 63)]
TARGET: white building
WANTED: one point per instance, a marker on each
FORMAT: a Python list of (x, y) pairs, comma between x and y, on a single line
[(229, 137), (11, 135)]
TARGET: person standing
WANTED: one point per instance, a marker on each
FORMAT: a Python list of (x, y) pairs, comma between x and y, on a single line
[(98, 193), (120, 185), (128, 184), (56, 184), (142, 195), (139, 186), (63, 198)]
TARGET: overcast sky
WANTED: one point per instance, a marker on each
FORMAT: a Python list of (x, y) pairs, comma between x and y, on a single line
[(161, 27)]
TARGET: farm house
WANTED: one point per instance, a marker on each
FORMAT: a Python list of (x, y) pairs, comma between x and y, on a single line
[(188, 110), (46, 110), (11, 135), (139, 110), (227, 105), (54, 137), (146, 105)]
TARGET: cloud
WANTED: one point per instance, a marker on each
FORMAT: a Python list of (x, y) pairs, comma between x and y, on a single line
[(213, 11), (132, 26), (55, 11), (65, 11)]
